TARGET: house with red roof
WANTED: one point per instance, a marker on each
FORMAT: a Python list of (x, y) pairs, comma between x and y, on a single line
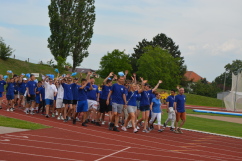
[(192, 76)]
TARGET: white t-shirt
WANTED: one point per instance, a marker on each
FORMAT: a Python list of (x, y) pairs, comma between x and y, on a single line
[(49, 90), (60, 93)]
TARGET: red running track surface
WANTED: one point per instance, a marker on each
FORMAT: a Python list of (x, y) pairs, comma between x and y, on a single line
[(64, 141)]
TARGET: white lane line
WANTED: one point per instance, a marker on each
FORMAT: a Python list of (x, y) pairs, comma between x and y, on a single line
[(5, 140), (113, 154), (45, 156), (18, 136)]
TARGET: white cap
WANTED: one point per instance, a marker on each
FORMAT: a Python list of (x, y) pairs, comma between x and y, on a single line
[(24, 79)]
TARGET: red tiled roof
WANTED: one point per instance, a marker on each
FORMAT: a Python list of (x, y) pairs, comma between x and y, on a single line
[(192, 76)]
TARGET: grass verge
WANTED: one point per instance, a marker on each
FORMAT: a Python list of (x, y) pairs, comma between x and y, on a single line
[(11, 122)]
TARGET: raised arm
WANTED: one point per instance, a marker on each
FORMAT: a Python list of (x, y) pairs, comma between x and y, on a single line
[(159, 82), (105, 80)]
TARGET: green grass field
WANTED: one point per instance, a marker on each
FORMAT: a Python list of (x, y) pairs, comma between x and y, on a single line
[(11, 122), (209, 125)]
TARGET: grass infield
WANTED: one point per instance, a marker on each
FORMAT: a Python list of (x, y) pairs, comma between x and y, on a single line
[(11, 122)]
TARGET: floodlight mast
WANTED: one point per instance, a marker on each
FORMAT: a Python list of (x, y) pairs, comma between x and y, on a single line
[(237, 72)]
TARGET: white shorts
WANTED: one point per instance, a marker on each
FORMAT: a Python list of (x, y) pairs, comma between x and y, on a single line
[(92, 104), (59, 103)]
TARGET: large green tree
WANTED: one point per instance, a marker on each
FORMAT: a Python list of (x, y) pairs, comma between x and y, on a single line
[(71, 26), (164, 42), (5, 50), (158, 64), (229, 69), (115, 61)]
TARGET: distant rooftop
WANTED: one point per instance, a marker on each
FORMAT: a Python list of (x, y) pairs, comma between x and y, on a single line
[(192, 76), (84, 70)]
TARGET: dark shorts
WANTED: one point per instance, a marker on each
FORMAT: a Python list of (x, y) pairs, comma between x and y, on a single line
[(1, 94), (10, 97), (144, 108), (67, 101), (15, 92), (104, 107), (82, 106), (31, 98), (74, 102)]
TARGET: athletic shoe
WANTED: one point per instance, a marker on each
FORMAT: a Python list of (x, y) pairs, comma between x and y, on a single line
[(74, 121), (31, 112), (47, 116), (123, 128), (7, 109), (151, 127), (53, 115), (77, 119), (161, 130), (175, 131), (164, 124), (58, 118), (65, 120), (56, 113), (62, 118), (27, 112), (98, 124), (135, 131), (115, 129), (103, 122), (138, 128), (128, 127), (84, 124), (172, 129), (146, 131), (69, 118), (179, 130), (93, 122), (111, 125), (11, 109), (117, 126)]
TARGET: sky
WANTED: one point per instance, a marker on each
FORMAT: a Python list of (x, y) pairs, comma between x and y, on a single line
[(208, 32)]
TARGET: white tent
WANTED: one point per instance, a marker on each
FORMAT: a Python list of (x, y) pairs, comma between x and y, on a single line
[(233, 101)]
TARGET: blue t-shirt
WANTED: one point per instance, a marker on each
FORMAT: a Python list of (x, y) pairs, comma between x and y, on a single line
[(10, 89), (75, 89), (38, 89), (139, 97), (156, 105), (92, 94), (2, 84), (117, 95), (171, 100), (132, 98), (16, 86), (145, 98), (22, 87), (180, 102), (67, 91), (42, 92), (152, 95), (82, 93), (32, 86), (105, 92)]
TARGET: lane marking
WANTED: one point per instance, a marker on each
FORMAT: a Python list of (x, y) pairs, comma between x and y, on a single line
[(5, 140), (113, 154), (18, 136), (45, 156)]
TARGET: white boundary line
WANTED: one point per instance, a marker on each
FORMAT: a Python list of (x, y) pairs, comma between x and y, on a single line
[(113, 154)]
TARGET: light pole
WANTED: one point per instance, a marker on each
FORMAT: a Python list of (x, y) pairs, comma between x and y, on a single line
[(237, 72)]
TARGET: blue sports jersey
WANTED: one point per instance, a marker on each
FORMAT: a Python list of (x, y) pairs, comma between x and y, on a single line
[(42, 92), (156, 105), (145, 98), (67, 91), (105, 92), (132, 98), (152, 95), (75, 89), (180, 102), (16, 86), (10, 89), (2, 84), (138, 97), (32, 86), (92, 94), (117, 95), (82, 93), (22, 87), (38, 89), (171, 100)]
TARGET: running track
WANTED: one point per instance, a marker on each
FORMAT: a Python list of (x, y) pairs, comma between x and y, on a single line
[(64, 141)]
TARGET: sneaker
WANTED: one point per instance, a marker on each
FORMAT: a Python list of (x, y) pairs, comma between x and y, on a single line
[(161, 130), (115, 129), (172, 129), (117, 126), (98, 124), (137, 127), (164, 124), (175, 131), (47, 116), (146, 131), (53, 115), (111, 125), (7, 109), (58, 118), (129, 126), (62, 118), (103, 122), (123, 128), (74, 121), (84, 124), (56, 113), (31, 112), (179, 130), (27, 112), (151, 127), (77, 119), (65, 120), (135, 131), (11, 109), (69, 118), (93, 122)]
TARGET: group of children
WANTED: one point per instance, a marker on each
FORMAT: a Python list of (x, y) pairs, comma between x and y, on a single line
[(80, 99)]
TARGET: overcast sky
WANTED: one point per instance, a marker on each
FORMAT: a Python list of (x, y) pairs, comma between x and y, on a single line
[(208, 32)]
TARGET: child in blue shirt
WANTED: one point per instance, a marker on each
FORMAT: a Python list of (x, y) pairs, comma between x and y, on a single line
[(10, 94), (2, 84)]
